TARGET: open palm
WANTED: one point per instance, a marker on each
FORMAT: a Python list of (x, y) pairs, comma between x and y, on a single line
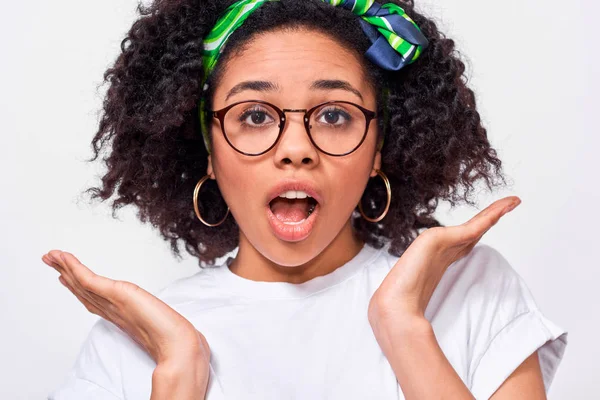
[(160, 330), (408, 287)]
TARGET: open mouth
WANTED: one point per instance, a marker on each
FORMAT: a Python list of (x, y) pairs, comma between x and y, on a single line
[(292, 210), (292, 215)]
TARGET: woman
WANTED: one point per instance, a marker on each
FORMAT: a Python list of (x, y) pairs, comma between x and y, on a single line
[(330, 130)]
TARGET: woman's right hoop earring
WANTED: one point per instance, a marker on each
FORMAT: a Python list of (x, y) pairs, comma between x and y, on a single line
[(389, 199), (195, 200)]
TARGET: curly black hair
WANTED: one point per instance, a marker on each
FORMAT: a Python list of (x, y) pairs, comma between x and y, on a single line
[(435, 146)]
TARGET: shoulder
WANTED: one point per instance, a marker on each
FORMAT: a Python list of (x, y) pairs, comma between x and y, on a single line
[(196, 293), (484, 291), (488, 322), (482, 277), (97, 369), (188, 287), (483, 265)]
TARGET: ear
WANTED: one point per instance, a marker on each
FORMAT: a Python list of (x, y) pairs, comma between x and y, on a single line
[(376, 163), (209, 168)]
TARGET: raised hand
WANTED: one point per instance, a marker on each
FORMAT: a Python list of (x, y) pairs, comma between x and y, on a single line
[(405, 292), (165, 334)]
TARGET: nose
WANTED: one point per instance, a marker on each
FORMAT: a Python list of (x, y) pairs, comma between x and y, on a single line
[(294, 146)]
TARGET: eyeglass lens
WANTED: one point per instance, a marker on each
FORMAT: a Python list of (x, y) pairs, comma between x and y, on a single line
[(335, 128)]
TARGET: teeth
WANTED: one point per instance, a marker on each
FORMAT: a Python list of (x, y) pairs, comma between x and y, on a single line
[(294, 194), (294, 223)]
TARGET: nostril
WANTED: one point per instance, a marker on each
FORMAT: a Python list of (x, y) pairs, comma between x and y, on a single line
[(306, 160), (287, 161)]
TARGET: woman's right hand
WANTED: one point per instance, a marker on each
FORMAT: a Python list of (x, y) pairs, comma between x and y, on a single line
[(166, 335)]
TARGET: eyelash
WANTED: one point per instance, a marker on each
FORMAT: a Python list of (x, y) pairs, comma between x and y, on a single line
[(258, 109), (343, 112), (248, 112)]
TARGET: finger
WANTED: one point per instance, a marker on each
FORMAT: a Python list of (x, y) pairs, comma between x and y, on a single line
[(87, 304), (68, 265), (477, 226), (94, 309), (494, 208), (90, 301), (91, 306), (48, 261), (85, 277), (91, 286), (74, 286), (59, 264), (478, 238), (53, 258), (56, 257), (80, 272), (69, 275), (97, 289), (511, 206), (105, 293)]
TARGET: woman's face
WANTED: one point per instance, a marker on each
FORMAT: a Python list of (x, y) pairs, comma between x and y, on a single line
[(288, 63)]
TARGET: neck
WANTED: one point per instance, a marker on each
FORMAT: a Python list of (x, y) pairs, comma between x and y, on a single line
[(251, 264)]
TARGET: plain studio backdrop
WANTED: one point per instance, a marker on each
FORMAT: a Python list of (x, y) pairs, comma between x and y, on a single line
[(533, 66)]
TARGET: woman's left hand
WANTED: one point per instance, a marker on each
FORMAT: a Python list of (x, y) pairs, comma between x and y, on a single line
[(405, 292)]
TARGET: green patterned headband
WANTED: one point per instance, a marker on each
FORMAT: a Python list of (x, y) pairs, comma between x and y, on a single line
[(396, 40)]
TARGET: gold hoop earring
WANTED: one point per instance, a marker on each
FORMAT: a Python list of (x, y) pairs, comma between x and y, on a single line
[(387, 205), (195, 200)]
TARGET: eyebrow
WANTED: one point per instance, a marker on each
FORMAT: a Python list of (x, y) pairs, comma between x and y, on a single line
[(259, 86), (267, 86), (330, 84)]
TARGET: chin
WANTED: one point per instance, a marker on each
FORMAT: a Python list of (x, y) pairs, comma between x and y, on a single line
[(290, 254)]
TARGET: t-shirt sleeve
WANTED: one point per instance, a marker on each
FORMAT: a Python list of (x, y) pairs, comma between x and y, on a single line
[(96, 372), (506, 326)]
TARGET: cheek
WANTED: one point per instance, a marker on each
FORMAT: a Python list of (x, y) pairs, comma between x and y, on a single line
[(241, 183), (228, 167), (347, 184), (350, 177), (238, 181)]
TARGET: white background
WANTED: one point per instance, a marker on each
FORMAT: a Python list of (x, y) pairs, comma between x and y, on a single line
[(534, 67)]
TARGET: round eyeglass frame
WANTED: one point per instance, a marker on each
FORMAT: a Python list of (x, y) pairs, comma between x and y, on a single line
[(220, 115)]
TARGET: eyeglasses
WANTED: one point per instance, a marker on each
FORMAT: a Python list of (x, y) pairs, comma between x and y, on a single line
[(253, 127)]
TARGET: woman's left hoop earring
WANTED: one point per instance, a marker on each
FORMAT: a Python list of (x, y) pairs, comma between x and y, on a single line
[(387, 204), (195, 200)]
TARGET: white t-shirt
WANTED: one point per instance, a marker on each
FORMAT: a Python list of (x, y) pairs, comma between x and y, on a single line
[(278, 340)]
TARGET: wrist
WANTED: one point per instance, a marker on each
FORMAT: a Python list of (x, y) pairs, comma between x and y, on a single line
[(393, 330), (403, 326), (396, 315), (187, 349), (175, 368), (181, 378)]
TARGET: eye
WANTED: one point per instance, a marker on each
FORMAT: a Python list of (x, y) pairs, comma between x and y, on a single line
[(334, 116), (255, 116)]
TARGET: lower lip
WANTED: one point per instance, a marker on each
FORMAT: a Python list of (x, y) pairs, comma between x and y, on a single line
[(292, 233)]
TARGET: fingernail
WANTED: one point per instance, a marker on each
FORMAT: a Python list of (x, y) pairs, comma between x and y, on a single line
[(512, 206)]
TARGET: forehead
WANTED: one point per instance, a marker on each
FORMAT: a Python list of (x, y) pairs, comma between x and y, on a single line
[(293, 59)]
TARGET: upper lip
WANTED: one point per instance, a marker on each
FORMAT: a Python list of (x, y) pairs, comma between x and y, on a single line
[(295, 184)]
